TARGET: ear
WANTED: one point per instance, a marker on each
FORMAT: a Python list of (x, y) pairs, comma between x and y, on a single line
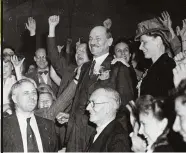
[(159, 40), (34, 58), (110, 41), (14, 98)]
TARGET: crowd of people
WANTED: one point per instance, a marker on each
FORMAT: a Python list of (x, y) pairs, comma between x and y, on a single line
[(97, 99)]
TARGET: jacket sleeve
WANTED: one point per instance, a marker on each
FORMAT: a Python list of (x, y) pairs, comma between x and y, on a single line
[(28, 49), (59, 63), (63, 102), (123, 82), (176, 45)]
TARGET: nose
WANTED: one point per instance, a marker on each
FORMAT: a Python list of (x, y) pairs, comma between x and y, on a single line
[(141, 46), (88, 107), (176, 125)]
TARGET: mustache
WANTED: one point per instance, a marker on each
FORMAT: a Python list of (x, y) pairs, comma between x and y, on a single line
[(93, 45)]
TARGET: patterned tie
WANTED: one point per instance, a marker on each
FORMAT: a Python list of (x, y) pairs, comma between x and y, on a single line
[(91, 72), (31, 139)]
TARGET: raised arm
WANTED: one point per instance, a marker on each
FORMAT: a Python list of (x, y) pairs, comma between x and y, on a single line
[(59, 63), (182, 34), (29, 42), (174, 42)]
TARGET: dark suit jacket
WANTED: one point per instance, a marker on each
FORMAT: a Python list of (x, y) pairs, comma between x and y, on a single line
[(114, 138), (12, 140), (159, 78), (63, 66), (79, 131)]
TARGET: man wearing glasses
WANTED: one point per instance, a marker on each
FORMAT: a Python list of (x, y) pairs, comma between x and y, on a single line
[(110, 135)]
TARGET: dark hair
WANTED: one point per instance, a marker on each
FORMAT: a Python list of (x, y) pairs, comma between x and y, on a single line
[(147, 103), (180, 91)]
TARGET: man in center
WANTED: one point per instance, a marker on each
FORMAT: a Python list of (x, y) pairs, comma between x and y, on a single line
[(95, 74)]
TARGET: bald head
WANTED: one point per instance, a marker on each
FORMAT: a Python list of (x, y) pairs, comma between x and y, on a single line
[(103, 105), (40, 58)]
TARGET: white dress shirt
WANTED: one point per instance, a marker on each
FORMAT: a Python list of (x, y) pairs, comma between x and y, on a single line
[(100, 129), (99, 60), (23, 128)]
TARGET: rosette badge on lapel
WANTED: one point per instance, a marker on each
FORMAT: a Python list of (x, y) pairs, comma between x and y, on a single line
[(104, 73)]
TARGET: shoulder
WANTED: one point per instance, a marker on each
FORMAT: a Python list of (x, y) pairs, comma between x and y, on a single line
[(44, 120), (164, 148), (166, 61)]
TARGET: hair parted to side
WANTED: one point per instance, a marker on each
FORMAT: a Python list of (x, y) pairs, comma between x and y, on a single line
[(147, 103)]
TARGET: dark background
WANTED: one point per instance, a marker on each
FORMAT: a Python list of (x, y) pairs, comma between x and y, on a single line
[(77, 17)]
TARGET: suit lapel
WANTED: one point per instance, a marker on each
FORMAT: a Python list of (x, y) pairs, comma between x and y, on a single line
[(43, 132), (101, 140), (106, 64), (16, 134)]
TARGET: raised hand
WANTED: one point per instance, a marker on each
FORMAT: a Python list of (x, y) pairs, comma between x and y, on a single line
[(182, 32), (180, 58), (31, 26), (53, 20), (138, 144), (167, 22), (179, 73), (62, 117), (59, 48), (78, 43), (16, 63)]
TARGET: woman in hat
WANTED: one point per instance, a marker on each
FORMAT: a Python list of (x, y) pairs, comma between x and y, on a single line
[(154, 38)]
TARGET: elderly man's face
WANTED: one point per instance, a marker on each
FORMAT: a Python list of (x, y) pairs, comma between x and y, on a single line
[(98, 106), (98, 41), (26, 97), (7, 69), (180, 121), (81, 54), (40, 58)]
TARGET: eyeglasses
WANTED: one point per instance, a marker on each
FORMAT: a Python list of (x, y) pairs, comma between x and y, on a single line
[(92, 103)]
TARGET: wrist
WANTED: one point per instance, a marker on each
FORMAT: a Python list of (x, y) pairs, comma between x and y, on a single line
[(32, 33), (51, 31)]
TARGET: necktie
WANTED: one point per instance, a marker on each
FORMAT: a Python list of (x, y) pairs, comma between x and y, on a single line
[(31, 139), (41, 72), (91, 72)]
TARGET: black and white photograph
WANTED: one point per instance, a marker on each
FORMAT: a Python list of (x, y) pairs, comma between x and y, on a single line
[(93, 76)]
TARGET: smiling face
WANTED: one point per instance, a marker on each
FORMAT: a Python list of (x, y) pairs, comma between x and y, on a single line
[(151, 127), (81, 54), (149, 46), (40, 58), (98, 42), (26, 98), (98, 106), (180, 121), (122, 51), (45, 100)]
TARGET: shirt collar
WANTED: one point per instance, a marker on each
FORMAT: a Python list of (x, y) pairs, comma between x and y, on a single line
[(101, 58), (24, 117), (101, 128)]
